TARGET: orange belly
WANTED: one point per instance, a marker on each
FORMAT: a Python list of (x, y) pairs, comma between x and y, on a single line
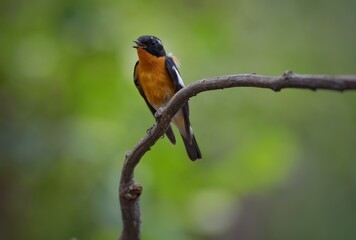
[(155, 81)]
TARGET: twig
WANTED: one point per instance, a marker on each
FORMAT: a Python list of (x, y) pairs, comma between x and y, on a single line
[(130, 191)]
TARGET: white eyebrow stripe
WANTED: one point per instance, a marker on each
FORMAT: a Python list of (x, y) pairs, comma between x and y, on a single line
[(180, 80)]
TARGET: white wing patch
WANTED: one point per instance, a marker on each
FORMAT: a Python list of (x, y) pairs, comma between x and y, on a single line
[(180, 80)]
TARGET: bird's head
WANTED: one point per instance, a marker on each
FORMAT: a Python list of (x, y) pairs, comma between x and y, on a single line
[(151, 44)]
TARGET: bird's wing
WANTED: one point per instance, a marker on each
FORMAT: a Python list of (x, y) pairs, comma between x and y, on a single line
[(140, 90), (174, 74), (178, 84), (169, 131)]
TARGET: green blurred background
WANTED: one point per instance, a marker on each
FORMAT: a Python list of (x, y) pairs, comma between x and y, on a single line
[(275, 165)]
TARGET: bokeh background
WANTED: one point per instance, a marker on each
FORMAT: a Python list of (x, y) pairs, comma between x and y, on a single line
[(275, 165)]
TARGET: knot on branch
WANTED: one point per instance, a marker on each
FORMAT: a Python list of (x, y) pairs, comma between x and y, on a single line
[(288, 74), (132, 192), (277, 84)]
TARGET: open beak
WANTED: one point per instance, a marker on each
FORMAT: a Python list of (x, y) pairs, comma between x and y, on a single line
[(139, 44)]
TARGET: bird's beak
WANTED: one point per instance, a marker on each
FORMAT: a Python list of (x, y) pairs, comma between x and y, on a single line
[(139, 44)]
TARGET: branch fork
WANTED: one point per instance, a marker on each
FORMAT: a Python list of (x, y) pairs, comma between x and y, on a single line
[(130, 191)]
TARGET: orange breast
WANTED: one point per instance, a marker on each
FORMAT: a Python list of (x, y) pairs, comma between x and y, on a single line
[(154, 79)]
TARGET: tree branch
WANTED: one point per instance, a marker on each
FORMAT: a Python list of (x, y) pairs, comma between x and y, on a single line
[(130, 191)]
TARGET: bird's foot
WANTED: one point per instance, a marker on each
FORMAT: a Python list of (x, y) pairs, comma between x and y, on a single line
[(158, 113), (150, 129)]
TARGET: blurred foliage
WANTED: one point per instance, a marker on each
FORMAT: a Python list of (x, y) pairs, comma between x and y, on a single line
[(275, 165)]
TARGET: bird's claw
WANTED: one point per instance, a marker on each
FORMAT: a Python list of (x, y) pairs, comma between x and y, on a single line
[(158, 113), (150, 129)]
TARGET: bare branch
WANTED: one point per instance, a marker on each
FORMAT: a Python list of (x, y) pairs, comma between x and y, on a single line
[(130, 191)]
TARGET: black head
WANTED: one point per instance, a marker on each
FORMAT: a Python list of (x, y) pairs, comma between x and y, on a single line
[(151, 44)]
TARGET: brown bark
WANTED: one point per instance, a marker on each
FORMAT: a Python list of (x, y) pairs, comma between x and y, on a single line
[(130, 191)]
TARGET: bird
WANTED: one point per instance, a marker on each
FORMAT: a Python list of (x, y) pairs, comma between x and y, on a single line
[(157, 78)]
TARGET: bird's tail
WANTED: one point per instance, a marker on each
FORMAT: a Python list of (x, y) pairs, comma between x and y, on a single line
[(186, 131), (192, 148)]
